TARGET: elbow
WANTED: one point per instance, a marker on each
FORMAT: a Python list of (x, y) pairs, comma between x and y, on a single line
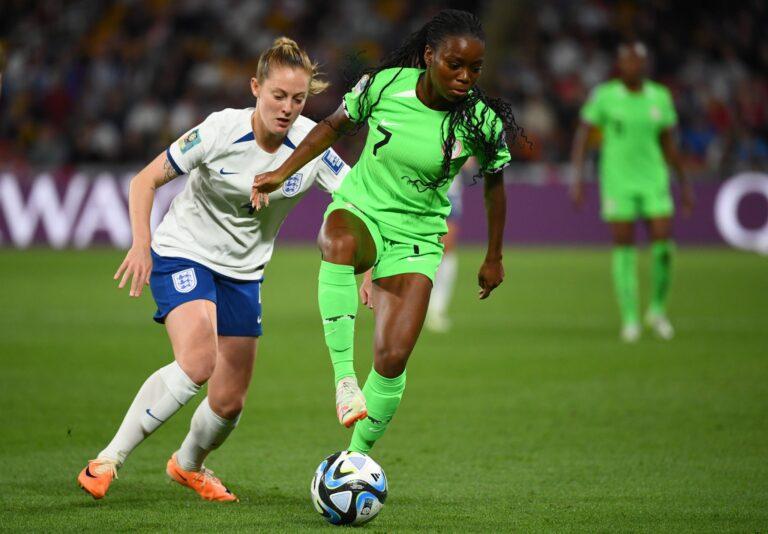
[(141, 182)]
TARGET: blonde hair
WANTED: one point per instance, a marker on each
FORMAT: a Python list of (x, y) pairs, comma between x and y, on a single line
[(286, 53)]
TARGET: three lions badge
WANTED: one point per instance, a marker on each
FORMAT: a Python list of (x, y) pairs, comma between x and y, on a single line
[(184, 281), (292, 185)]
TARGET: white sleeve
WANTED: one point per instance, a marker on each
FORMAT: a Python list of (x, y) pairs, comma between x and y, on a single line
[(192, 148), (330, 171)]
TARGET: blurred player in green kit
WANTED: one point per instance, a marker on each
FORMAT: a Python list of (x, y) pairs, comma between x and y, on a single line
[(636, 118), (426, 117)]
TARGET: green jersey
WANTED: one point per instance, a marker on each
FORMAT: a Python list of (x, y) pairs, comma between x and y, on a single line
[(631, 159), (403, 155)]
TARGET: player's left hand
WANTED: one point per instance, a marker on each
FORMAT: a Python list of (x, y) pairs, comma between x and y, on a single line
[(687, 200), (491, 275), (366, 290)]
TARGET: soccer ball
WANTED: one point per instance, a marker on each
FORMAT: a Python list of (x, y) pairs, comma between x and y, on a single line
[(348, 488)]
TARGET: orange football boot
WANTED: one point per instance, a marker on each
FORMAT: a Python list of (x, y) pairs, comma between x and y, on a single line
[(97, 476), (203, 482)]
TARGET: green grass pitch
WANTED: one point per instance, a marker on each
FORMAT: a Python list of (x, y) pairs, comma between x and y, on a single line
[(529, 416)]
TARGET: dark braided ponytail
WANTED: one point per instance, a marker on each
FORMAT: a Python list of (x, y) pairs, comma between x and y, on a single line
[(481, 129)]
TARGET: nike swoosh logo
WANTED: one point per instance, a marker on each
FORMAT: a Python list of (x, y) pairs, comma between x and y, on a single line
[(88, 472), (259, 320), (153, 417), (224, 173)]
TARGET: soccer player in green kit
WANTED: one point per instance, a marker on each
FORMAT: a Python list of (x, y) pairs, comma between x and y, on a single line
[(635, 117), (426, 116)]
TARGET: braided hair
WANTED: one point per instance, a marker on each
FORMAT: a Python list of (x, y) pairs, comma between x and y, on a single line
[(462, 116)]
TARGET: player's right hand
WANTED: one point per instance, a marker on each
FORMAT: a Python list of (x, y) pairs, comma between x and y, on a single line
[(263, 184), (137, 266), (577, 193)]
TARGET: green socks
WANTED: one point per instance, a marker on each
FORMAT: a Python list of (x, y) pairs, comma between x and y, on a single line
[(661, 266), (625, 282), (337, 297), (382, 397)]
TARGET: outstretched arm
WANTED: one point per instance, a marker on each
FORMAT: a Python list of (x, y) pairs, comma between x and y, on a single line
[(492, 271), (672, 155), (138, 261), (322, 136)]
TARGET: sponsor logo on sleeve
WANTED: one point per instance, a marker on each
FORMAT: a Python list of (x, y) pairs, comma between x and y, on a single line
[(292, 185), (184, 281), (334, 162), (189, 140)]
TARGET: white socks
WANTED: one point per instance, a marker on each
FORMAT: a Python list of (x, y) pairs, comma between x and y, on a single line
[(161, 396), (442, 290), (206, 433)]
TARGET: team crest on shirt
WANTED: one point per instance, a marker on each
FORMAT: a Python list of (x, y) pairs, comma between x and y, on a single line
[(189, 140), (655, 113), (184, 281), (292, 185), (458, 148)]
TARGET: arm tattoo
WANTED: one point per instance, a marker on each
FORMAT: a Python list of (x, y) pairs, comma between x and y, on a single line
[(169, 173)]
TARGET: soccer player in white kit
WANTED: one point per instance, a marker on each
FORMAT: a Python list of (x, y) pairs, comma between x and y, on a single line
[(206, 261), (437, 319)]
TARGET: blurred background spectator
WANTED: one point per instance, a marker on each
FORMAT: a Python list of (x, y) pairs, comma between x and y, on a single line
[(89, 82)]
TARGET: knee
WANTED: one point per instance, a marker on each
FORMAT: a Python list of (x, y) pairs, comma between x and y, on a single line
[(661, 234), (391, 360), (337, 248), (229, 407), (623, 239), (199, 374), (199, 365)]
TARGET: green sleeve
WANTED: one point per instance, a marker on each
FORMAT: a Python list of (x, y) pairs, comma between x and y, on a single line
[(355, 101), (668, 113), (493, 128), (592, 112), (501, 159)]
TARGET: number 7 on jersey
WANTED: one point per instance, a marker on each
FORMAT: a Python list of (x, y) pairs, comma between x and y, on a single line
[(387, 137)]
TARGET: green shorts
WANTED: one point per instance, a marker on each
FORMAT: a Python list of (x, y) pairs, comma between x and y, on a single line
[(393, 257), (631, 206)]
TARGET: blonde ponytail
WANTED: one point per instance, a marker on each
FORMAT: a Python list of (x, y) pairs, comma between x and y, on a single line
[(286, 53)]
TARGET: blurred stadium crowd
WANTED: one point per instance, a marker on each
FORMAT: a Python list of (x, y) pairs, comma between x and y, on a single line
[(88, 81)]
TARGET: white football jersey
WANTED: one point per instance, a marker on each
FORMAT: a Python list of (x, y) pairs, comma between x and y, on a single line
[(207, 222)]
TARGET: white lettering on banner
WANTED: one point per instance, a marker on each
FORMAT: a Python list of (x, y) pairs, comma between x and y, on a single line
[(163, 197), (727, 212), (85, 207), (43, 204), (104, 210)]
